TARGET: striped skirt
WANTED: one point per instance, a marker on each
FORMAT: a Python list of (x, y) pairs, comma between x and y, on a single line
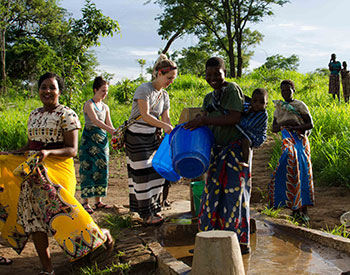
[(145, 184)]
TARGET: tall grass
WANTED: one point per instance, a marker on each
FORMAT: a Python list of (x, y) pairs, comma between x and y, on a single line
[(330, 139)]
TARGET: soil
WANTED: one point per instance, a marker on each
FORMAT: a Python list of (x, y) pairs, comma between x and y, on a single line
[(331, 203)]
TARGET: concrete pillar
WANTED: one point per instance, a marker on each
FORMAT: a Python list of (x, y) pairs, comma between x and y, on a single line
[(217, 252)]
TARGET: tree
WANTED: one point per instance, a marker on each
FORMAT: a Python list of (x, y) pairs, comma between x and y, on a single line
[(42, 36), (280, 62), (226, 20), (142, 63), (9, 10), (192, 60)]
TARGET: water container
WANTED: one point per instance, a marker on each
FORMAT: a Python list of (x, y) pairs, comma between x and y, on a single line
[(191, 150), (162, 161), (197, 190)]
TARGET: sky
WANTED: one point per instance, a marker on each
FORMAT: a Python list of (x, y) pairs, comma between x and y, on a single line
[(310, 29)]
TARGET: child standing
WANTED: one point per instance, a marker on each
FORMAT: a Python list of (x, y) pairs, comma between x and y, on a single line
[(225, 200), (292, 182), (94, 149), (253, 124)]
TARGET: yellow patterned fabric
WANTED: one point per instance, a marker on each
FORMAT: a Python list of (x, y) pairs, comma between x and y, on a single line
[(33, 193)]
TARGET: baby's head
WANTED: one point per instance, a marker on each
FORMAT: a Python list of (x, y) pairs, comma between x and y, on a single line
[(259, 100)]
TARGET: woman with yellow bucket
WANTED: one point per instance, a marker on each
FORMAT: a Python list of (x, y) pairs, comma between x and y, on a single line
[(38, 184)]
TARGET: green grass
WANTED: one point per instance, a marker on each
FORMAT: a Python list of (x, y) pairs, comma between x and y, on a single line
[(271, 212), (115, 223), (114, 268), (338, 231)]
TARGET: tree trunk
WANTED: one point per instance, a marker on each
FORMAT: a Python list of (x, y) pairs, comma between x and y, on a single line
[(231, 56), (171, 40), (3, 62), (239, 53)]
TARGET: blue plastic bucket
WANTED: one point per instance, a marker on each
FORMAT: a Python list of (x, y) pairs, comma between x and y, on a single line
[(191, 150), (162, 161)]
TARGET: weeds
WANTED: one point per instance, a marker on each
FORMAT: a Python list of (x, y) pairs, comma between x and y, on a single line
[(115, 223), (121, 268), (338, 231), (271, 212)]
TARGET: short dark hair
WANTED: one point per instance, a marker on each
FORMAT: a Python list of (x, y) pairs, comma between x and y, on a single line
[(288, 82), (59, 80), (260, 91), (215, 62), (98, 82)]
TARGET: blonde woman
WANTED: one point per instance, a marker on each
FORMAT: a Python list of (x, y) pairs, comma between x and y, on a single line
[(151, 102)]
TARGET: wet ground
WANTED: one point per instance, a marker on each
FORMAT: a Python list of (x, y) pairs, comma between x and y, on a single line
[(275, 252)]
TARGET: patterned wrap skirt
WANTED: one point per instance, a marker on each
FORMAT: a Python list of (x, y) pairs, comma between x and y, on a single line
[(39, 197), (145, 184), (292, 182), (94, 158), (334, 84), (346, 85), (226, 196)]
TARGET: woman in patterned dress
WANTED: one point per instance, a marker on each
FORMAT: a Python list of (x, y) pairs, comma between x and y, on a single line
[(94, 149), (150, 101), (334, 84), (39, 183), (226, 196), (292, 182), (345, 80)]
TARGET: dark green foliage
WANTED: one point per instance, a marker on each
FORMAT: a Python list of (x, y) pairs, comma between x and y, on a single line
[(280, 62)]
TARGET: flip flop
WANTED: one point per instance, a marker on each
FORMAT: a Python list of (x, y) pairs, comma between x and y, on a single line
[(153, 220), (166, 203), (101, 205), (5, 261), (88, 208)]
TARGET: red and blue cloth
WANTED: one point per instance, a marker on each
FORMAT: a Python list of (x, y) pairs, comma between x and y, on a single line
[(292, 182), (225, 199)]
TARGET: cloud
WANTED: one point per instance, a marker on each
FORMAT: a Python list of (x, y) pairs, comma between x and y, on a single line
[(287, 25), (137, 52), (309, 28)]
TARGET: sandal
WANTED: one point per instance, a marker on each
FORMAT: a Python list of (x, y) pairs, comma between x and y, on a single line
[(101, 205), (5, 261), (88, 208), (166, 203), (152, 220)]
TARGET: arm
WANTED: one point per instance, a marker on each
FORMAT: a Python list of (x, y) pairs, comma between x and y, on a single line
[(108, 118), (307, 125), (70, 148), (166, 117), (89, 109), (232, 118), (275, 126), (151, 120), (18, 151)]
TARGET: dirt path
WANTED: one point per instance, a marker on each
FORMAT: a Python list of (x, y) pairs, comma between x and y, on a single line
[(331, 202)]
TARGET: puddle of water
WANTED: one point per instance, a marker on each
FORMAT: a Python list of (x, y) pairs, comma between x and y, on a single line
[(275, 252)]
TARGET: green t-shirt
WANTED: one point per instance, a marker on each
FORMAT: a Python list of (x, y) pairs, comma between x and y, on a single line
[(231, 99)]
